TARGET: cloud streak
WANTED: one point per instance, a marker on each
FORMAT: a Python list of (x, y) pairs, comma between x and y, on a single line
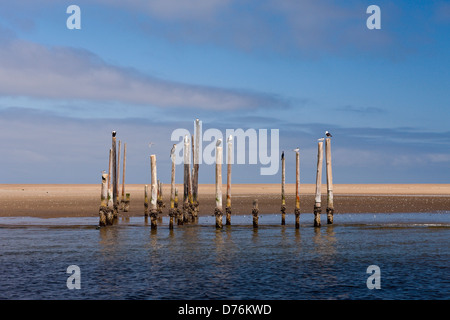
[(33, 70)]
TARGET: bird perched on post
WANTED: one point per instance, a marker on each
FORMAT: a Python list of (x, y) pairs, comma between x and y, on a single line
[(218, 142), (172, 151), (296, 149), (282, 155), (328, 134), (320, 139), (114, 133)]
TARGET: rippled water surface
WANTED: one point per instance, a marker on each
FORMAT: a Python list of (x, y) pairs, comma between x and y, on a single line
[(196, 261)]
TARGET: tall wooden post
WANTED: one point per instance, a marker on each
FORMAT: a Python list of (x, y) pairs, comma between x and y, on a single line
[(297, 187), (109, 170), (118, 174), (218, 209), (114, 173), (196, 166), (154, 194), (330, 205), (318, 198), (103, 201), (229, 160), (255, 212), (187, 177), (283, 197), (123, 170), (172, 212), (179, 214)]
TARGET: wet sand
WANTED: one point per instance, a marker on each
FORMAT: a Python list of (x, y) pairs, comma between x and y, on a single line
[(59, 200)]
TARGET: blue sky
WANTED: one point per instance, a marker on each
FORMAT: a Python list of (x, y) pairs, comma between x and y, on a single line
[(146, 68)]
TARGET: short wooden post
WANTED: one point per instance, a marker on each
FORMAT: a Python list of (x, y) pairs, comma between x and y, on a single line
[(330, 205), (154, 194), (104, 202), (218, 209), (123, 171), (187, 177), (114, 173), (297, 187), (126, 206), (318, 198), (110, 211), (283, 197), (172, 211), (146, 200), (255, 212), (196, 151), (229, 160)]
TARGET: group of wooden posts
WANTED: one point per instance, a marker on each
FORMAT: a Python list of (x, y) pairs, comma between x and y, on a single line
[(189, 213), (109, 205)]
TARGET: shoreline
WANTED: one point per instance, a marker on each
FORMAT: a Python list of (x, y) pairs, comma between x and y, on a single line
[(83, 200)]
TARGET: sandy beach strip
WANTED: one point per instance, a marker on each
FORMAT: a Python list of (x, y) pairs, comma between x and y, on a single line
[(83, 200)]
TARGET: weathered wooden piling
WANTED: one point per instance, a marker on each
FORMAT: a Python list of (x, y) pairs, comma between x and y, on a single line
[(179, 213), (126, 206), (318, 198), (229, 160), (159, 201), (114, 172), (109, 170), (283, 197), (118, 175), (218, 212), (154, 194), (330, 205), (255, 212), (103, 201), (123, 171), (146, 200), (172, 211), (196, 165), (187, 177), (297, 189)]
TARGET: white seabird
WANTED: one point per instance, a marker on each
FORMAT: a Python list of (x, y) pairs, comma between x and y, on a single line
[(328, 134)]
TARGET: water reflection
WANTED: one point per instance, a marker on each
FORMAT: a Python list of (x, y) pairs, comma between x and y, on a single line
[(197, 261)]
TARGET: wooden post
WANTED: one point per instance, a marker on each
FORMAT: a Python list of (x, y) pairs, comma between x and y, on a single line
[(229, 160), (186, 179), (172, 211), (283, 197), (104, 202), (118, 176), (297, 187), (146, 200), (318, 199), (196, 152), (330, 205), (109, 170), (218, 209), (126, 206), (255, 212), (123, 170), (179, 214), (154, 194), (159, 201), (114, 173)]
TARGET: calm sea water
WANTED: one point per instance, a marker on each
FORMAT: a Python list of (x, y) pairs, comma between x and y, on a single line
[(130, 261)]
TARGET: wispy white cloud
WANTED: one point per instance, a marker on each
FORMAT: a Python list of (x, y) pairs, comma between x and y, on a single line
[(33, 70)]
